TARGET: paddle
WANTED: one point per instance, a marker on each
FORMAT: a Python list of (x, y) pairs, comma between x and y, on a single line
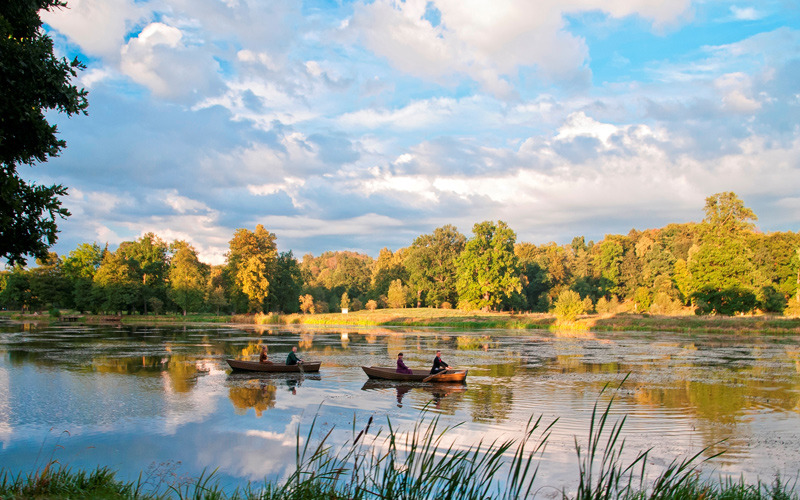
[(431, 377)]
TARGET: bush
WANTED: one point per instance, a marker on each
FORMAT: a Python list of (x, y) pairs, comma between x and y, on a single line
[(356, 305), (372, 305), (728, 301), (568, 306), (664, 304), (446, 305), (770, 300), (606, 306)]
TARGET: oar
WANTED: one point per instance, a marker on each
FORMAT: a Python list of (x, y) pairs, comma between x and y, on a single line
[(431, 377)]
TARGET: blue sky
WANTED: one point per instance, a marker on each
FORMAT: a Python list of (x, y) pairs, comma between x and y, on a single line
[(361, 125)]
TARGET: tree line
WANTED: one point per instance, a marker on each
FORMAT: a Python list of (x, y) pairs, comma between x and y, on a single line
[(721, 265)]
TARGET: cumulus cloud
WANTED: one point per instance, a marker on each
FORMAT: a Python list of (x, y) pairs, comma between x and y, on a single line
[(99, 27), (365, 124), (490, 42), (159, 59)]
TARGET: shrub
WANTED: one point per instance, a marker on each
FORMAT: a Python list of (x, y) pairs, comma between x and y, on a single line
[(568, 306), (446, 305), (664, 304), (372, 305), (770, 300), (607, 306)]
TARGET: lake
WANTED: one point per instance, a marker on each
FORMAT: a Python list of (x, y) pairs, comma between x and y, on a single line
[(161, 400)]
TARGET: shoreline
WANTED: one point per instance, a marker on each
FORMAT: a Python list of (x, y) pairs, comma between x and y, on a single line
[(468, 320)]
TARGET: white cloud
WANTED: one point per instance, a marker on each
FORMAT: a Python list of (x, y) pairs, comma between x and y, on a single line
[(99, 27), (158, 59), (490, 42), (745, 13)]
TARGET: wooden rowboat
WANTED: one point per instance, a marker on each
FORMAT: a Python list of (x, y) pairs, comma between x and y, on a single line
[(378, 372), (255, 366)]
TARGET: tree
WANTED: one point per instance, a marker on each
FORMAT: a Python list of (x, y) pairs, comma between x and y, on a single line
[(387, 268), (32, 82), (723, 260), (187, 277), (115, 283), (568, 306), (285, 286), (307, 304), (79, 268), (398, 294), (430, 262), (148, 257), (251, 265), (488, 270)]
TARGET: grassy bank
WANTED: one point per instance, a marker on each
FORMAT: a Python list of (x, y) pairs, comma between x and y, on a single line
[(468, 320), (423, 463)]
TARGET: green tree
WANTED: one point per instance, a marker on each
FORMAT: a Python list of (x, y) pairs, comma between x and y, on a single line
[(390, 266), (149, 259), (115, 284), (49, 288), (16, 293), (568, 306), (285, 287), (430, 262), (724, 259), (187, 277), (398, 295), (34, 82), (79, 268), (488, 270)]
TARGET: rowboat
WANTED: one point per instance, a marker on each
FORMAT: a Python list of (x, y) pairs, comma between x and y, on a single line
[(379, 372), (255, 366)]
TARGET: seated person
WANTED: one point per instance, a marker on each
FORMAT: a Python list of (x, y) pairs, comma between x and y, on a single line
[(401, 367), (263, 357), (438, 364), (292, 358)]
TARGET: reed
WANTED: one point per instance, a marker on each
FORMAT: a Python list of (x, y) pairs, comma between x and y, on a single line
[(423, 463)]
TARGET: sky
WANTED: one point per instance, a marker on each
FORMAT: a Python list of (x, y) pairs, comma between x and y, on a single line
[(342, 125)]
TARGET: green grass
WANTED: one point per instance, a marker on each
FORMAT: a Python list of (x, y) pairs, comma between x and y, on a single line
[(478, 320)]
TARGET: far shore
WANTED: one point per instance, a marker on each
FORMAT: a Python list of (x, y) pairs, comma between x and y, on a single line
[(453, 318)]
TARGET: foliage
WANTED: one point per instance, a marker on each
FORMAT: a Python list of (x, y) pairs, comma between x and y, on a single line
[(656, 270), (398, 295), (431, 265), (568, 306), (488, 270), (251, 263), (187, 278), (286, 284), (40, 83), (307, 304), (728, 301)]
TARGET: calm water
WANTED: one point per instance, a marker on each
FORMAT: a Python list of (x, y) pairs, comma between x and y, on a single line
[(162, 400)]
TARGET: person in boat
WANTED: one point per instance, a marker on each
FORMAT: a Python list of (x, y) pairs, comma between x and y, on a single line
[(438, 364), (262, 358), (292, 358), (401, 367)]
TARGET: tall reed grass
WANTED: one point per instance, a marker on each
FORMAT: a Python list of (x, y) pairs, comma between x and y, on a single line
[(424, 463)]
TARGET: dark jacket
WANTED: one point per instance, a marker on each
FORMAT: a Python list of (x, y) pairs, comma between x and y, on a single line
[(292, 359), (438, 365)]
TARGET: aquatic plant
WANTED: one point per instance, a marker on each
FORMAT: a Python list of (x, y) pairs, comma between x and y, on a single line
[(423, 464)]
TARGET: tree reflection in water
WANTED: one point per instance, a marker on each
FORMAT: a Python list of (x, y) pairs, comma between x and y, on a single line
[(257, 394)]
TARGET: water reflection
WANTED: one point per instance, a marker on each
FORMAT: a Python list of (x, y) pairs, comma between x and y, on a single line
[(434, 394), (170, 388)]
